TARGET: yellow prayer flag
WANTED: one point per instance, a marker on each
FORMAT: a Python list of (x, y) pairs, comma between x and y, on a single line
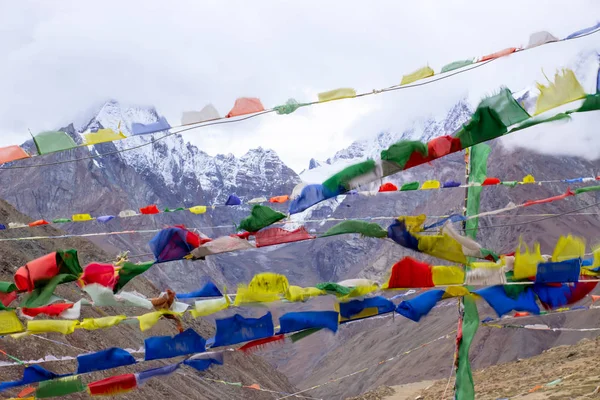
[(596, 263), (342, 93), (361, 291), (9, 323), (564, 89), (568, 248), (148, 320), (447, 275), (455, 291), (297, 293), (203, 308), (245, 295), (92, 324), (50, 325), (528, 179), (102, 136), (526, 262), (422, 73), (430, 185), (269, 282), (442, 246), (81, 217), (413, 223), (198, 209)]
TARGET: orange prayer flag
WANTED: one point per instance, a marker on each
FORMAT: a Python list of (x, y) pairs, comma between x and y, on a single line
[(498, 54), (12, 153), (595, 298), (245, 105), (39, 222), (279, 199), (25, 392)]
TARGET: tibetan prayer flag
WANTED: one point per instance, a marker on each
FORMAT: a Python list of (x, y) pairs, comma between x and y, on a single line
[(263, 287), (490, 181), (297, 321), (40, 270), (187, 342), (410, 186), (388, 187), (203, 308), (202, 362), (343, 93), (198, 210), (102, 274), (154, 127), (9, 323), (334, 288), (39, 222), (102, 136), (7, 287), (279, 199), (104, 359), (12, 153), (430, 185), (148, 210), (81, 217), (523, 299), (144, 376), (297, 293), (526, 261), (6, 299), (260, 217), (410, 273), (478, 171), (168, 210), (289, 107), (170, 244), (400, 153), (554, 295), (583, 31), (233, 200), (32, 374), (238, 329), (41, 295), (274, 236), (341, 181), (310, 195), (245, 105), (465, 387), (259, 344), (105, 218), (422, 73), (456, 65), (565, 89), (52, 310), (451, 184), (447, 275), (113, 385), (498, 54), (440, 146), (540, 38), (587, 189), (568, 248), (561, 271), (59, 387), (354, 309), (127, 214), (92, 324), (257, 200), (368, 229), (104, 297), (220, 245), (148, 320), (208, 290), (420, 306), (129, 271), (52, 325), (50, 142), (208, 113)]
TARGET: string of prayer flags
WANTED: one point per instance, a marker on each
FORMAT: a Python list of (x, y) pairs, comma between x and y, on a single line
[(353, 226), (237, 329), (336, 94), (208, 113), (154, 127), (102, 136), (52, 141), (260, 217), (105, 359), (274, 236), (245, 105), (297, 321), (564, 89), (12, 153), (419, 74), (187, 342), (113, 385)]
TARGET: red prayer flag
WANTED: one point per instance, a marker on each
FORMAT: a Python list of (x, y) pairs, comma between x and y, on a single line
[(259, 344), (113, 385), (410, 273), (521, 314), (490, 182), (43, 268), (388, 187), (549, 199), (245, 105), (39, 222), (102, 274), (498, 54), (151, 209), (52, 310), (7, 298), (273, 236), (440, 146)]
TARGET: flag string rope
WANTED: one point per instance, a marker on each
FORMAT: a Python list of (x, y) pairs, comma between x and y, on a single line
[(225, 120)]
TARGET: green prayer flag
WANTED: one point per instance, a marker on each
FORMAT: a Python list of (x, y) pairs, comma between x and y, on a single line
[(303, 333), (129, 271), (465, 387), (487, 252), (260, 217), (7, 287), (456, 65), (510, 183), (536, 121), (591, 103), (59, 387), (362, 227), (68, 262), (586, 189), (167, 210), (400, 152), (50, 142), (289, 107), (334, 287), (61, 220), (410, 186), (40, 296), (342, 179), (484, 125), (506, 106), (477, 174)]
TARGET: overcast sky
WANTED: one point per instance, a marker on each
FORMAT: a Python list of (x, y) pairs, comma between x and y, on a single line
[(59, 58)]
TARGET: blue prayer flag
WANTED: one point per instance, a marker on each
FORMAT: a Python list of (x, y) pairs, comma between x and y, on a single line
[(354, 307), (558, 272), (208, 290), (416, 308), (187, 342), (297, 321), (143, 129), (238, 329), (105, 359), (502, 303)]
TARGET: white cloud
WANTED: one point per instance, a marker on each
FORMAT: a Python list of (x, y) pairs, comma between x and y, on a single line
[(59, 58)]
